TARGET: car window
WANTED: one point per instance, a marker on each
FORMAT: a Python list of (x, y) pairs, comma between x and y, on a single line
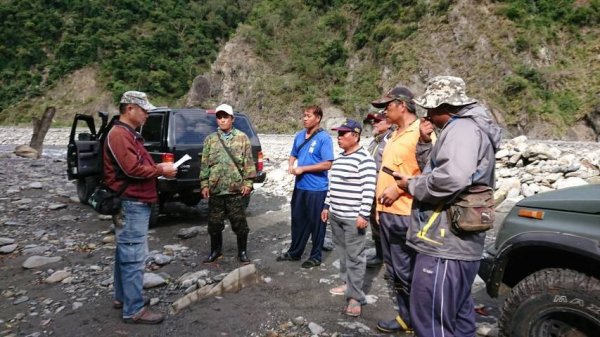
[(243, 124), (192, 127), (151, 131)]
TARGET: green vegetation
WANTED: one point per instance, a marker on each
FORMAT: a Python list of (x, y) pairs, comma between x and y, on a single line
[(155, 46), (331, 49), (530, 60)]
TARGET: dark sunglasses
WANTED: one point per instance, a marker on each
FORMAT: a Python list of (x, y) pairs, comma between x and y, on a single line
[(343, 133), (221, 116)]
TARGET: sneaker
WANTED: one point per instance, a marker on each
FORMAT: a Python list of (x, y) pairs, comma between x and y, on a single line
[(374, 262), (287, 257), (145, 316), (341, 290), (311, 263), (394, 325)]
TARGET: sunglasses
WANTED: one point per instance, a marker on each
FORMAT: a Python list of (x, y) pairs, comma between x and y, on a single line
[(343, 133)]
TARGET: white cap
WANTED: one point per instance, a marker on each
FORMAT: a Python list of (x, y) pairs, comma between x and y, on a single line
[(225, 108)]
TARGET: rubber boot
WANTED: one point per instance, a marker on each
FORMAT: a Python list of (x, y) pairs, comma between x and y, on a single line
[(216, 246), (242, 242)]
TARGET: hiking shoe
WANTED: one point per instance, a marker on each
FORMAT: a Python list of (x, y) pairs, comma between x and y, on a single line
[(287, 257), (394, 325), (145, 316), (311, 263)]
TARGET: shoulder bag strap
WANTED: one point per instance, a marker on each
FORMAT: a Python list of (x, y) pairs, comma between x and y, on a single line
[(231, 157), (117, 168), (308, 139)]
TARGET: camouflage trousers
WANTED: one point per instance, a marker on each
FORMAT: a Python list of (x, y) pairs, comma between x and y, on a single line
[(230, 206)]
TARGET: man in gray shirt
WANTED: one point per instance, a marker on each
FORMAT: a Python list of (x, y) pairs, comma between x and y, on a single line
[(447, 260)]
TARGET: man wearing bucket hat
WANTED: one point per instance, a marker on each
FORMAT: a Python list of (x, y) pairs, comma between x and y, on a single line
[(347, 208), (394, 204), (447, 260), (382, 129), (130, 168)]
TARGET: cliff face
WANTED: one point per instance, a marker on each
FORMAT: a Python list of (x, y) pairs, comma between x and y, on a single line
[(534, 64)]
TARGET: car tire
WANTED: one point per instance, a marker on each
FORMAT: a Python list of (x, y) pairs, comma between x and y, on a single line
[(85, 188), (154, 213), (552, 302)]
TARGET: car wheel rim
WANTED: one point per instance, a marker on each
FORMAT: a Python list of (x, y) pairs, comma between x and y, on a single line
[(564, 324)]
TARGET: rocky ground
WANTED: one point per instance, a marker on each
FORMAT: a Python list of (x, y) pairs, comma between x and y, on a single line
[(56, 254)]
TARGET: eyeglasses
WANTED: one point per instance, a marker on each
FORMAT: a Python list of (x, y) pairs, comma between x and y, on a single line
[(222, 116)]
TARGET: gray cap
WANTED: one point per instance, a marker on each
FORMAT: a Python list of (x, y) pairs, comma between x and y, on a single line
[(139, 98), (444, 89)]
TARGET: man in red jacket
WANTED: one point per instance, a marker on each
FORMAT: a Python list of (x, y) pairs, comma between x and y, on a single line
[(126, 161)]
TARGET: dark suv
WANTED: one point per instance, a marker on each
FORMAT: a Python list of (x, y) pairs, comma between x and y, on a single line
[(548, 251), (169, 134)]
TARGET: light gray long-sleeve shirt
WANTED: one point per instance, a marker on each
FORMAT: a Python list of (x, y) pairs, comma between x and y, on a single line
[(463, 155)]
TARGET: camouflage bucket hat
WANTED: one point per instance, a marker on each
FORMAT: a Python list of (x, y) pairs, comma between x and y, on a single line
[(444, 89), (139, 98)]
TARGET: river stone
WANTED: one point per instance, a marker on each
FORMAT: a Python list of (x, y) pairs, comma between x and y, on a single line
[(569, 182), (7, 249), (6, 241), (35, 185), (186, 233), (26, 151), (56, 206), (38, 261), (57, 276), (20, 300), (315, 328), (152, 280), (35, 250)]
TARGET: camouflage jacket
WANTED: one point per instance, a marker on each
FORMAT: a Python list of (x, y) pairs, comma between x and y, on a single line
[(218, 172)]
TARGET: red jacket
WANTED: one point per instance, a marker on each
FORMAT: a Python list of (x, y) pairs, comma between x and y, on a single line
[(125, 158)]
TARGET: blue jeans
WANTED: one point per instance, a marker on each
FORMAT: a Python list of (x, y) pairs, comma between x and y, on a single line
[(129, 256)]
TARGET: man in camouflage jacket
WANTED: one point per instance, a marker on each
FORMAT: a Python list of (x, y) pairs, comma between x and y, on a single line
[(225, 183)]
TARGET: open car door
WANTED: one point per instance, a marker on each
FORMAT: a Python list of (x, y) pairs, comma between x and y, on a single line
[(84, 153)]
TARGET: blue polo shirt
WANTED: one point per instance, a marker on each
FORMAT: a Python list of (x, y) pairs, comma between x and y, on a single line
[(317, 150)]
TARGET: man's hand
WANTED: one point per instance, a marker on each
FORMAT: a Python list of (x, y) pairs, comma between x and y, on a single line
[(425, 129), (402, 182), (168, 170), (389, 195), (361, 223), (296, 171), (206, 193), (245, 190), (325, 215)]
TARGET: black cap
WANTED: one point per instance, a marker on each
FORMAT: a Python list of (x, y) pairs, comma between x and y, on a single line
[(397, 93)]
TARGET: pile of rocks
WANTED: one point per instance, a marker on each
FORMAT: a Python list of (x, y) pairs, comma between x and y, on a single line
[(525, 168)]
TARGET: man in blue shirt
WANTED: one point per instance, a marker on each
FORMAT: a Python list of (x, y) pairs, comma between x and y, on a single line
[(310, 159)]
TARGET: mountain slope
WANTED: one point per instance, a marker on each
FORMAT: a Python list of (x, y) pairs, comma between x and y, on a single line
[(536, 64)]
